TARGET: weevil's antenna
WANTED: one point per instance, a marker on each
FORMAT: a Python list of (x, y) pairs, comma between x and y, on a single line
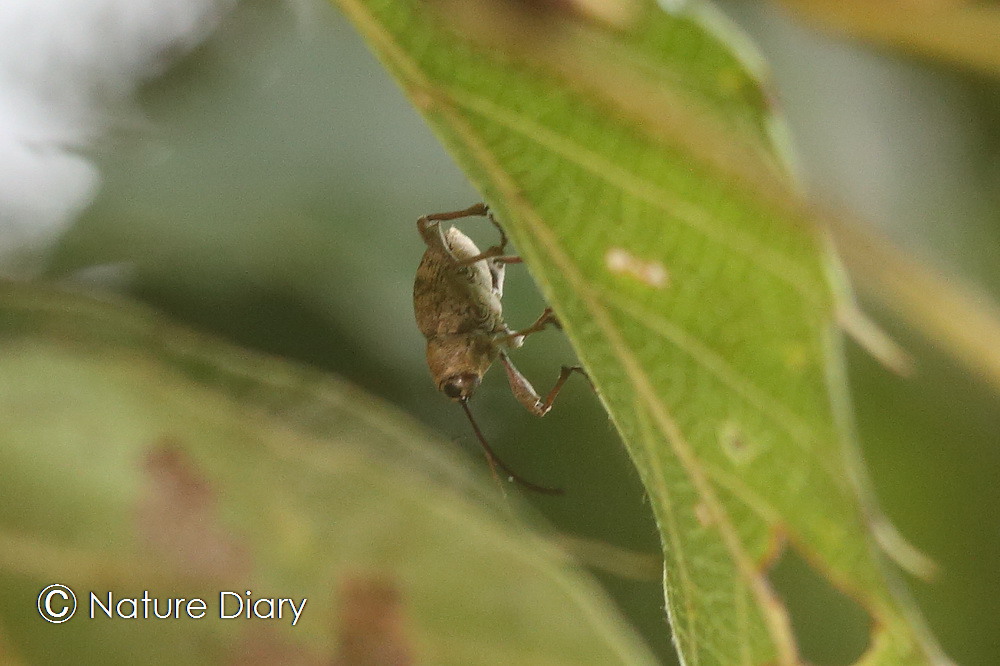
[(495, 462)]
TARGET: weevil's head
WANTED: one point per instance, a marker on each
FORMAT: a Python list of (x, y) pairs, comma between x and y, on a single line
[(458, 363), (460, 387)]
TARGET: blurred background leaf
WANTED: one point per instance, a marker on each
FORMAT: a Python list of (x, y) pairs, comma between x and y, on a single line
[(138, 456)]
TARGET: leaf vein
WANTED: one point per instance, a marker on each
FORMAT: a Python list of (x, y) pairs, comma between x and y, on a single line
[(697, 219)]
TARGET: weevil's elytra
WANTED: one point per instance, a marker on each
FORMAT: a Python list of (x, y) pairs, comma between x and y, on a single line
[(457, 301), (458, 310)]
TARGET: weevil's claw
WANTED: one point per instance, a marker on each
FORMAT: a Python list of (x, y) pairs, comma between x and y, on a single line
[(549, 318), (579, 369), (515, 341)]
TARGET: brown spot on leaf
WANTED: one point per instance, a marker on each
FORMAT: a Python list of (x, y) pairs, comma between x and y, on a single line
[(611, 13), (547, 14), (737, 444), (373, 627), (178, 518), (7, 654), (265, 646), (422, 98)]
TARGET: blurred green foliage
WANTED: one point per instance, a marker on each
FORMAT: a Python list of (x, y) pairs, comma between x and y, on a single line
[(144, 463)]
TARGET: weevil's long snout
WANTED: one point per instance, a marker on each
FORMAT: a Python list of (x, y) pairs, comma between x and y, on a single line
[(460, 387)]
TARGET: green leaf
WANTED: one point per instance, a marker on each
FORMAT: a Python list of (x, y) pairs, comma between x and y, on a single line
[(138, 456), (629, 154)]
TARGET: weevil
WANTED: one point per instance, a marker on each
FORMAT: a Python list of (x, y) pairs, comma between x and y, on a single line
[(457, 301)]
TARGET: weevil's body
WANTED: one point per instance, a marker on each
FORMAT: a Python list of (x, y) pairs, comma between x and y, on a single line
[(459, 311), (456, 299)]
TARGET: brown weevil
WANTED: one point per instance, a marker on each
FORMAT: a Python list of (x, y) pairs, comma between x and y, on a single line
[(457, 301)]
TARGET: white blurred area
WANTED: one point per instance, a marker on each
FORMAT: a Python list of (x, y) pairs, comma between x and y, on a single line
[(67, 71)]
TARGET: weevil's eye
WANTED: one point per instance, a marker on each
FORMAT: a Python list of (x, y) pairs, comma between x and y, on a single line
[(460, 387)]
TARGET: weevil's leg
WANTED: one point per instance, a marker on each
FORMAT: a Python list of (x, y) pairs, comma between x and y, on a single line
[(495, 253), (525, 392), (480, 209), (430, 229), (547, 318), (503, 234)]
